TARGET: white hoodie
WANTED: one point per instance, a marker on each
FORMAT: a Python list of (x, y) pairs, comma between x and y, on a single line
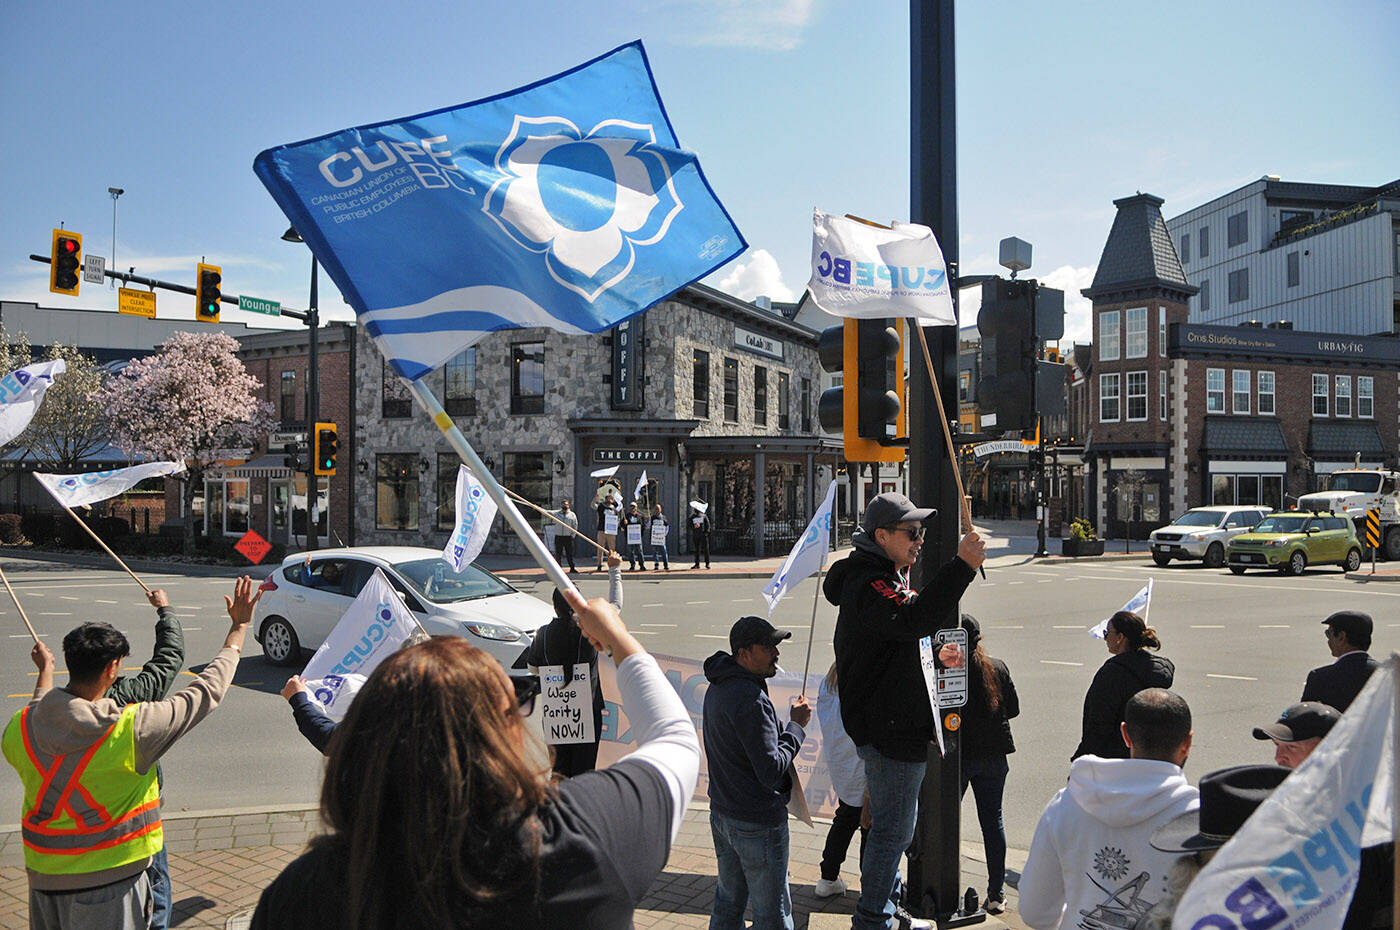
[(1090, 866)]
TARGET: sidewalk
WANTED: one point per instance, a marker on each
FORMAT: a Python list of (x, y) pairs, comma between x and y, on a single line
[(221, 860)]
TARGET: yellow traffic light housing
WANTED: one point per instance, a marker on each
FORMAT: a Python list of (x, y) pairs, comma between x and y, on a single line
[(326, 444), (207, 292), (870, 385), (65, 262)]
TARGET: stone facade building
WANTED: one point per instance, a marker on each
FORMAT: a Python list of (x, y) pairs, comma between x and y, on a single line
[(703, 392)]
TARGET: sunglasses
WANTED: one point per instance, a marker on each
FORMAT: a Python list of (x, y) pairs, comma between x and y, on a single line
[(527, 688), (915, 535)]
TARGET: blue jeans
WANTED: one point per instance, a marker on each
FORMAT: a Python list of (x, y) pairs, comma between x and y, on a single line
[(660, 556), (753, 869), (988, 780), (159, 874), (894, 809), (635, 556)]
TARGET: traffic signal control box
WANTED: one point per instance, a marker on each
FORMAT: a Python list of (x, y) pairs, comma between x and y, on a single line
[(327, 444), (208, 292), (65, 260)]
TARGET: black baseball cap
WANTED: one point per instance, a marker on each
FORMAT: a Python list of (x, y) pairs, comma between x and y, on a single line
[(754, 631), (1228, 797), (1301, 721), (1354, 623), (890, 508)]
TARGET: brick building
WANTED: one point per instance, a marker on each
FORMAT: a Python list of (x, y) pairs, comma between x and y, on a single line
[(1182, 414)]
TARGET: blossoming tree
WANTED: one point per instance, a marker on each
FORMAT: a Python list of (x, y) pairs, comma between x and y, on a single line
[(186, 402)]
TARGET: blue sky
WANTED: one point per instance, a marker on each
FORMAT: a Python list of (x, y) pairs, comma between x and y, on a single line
[(790, 104)]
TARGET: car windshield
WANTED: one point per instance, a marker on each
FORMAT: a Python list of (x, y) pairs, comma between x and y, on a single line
[(1367, 482), (1287, 523), (1199, 518), (436, 581)]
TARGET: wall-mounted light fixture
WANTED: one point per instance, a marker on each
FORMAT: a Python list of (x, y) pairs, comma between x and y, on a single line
[(560, 464), (424, 464), (363, 466)]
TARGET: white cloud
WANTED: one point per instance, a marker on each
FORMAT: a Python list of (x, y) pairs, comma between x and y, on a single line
[(767, 24), (760, 275), (1079, 322)]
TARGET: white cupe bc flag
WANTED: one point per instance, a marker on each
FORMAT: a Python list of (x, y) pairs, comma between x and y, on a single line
[(1140, 604), (808, 555), (21, 392), (94, 486), (605, 472), (641, 486), (475, 513), (859, 270), (373, 627), (1295, 862)]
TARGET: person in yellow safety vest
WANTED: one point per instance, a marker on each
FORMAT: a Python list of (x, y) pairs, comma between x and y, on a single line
[(90, 820)]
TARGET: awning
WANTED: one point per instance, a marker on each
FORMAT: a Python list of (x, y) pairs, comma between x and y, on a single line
[(1244, 438), (264, 466), (1342, 439)]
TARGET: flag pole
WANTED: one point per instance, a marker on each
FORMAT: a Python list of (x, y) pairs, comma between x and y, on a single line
[(580, 535), (812, 631), (504, 504), (108, 550), (19, 607)]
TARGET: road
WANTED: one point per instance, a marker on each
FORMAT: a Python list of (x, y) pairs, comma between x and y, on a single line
[(1241, 645)]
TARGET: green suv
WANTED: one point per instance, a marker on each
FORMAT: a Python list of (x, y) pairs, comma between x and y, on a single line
[(1291, 541)]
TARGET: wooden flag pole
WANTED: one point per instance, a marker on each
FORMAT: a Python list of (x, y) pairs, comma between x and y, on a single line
[(106, 548), (19, 607), (812, 631), (579, 534)]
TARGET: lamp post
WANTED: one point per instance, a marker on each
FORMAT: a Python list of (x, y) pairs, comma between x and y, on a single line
[(313, 411), (115, 192)]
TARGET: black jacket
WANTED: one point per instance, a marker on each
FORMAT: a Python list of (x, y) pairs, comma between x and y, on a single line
[(1114, 685), (748, 751), (1338, 684), (884, 698), (986, 734)]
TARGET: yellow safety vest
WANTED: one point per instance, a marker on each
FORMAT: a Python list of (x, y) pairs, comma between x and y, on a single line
[(87, 811)]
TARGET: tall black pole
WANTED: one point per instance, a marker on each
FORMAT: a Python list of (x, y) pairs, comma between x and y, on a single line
[(313, 483), (934, 867)]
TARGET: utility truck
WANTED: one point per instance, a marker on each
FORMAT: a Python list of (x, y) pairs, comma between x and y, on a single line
[(1353, 491)]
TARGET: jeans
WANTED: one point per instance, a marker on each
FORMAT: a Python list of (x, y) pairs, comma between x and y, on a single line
[(838, 839), (752, 862), (159, 874), (636, 557), (894, 808), (660, 556), (988, 779)]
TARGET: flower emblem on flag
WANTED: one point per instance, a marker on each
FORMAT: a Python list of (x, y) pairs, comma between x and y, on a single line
[(585, 200)]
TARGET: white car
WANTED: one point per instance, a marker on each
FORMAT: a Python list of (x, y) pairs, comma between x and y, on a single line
[(302, 603), (1203, 533)]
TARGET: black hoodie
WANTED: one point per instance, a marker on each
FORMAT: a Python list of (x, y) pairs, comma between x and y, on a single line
[(1117, 680), (884, 698), (748, 751)]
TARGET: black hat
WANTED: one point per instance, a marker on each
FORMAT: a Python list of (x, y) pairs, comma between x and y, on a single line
[(754, 631), (1354, 623), (890, 508), (1228, 797), (974, 629), (1300, 722)]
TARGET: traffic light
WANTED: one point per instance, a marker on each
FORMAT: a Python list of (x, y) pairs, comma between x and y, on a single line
[(1007, 388), (292, 457), (206, 292), (868, 409), (65, 260), (327, 443)]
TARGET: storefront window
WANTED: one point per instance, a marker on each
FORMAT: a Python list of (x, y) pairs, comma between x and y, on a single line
[(447, 467), (1222, 489), (459, 384), (227, 510), (527, 378), (394, 401), (396, 491), (527, 474)]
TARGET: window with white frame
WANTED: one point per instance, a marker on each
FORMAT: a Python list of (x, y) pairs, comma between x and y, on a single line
[(1240, 391), (1108, 398), (1161, 395), (1108, 336), (1162, 331), (1266, 392), (1136, 326), (1365, 396), (1137, 395), (1319, 395), (1215, 390), (1343, 393)]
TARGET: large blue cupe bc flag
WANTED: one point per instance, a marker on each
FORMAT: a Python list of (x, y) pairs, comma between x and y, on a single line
[(568, 204)]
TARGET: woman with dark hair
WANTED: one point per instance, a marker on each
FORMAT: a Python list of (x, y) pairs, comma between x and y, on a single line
[(986, 742), (1129, 669), (562, 643), (440, 813)]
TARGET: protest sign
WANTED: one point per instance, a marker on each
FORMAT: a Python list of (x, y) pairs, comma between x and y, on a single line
[(566, 711)]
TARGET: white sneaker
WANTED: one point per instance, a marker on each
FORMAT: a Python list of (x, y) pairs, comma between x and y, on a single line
[(832, 888)]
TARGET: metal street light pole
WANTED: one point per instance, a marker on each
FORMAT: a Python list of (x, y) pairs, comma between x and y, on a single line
[(115, 192), (313, 406)]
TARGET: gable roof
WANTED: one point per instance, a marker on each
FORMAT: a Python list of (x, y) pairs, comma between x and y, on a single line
[(1139, 254)]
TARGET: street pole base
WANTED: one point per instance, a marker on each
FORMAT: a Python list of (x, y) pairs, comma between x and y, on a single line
[(959, 919)]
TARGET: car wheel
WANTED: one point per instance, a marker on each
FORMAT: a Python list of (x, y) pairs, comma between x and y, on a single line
[(1237, 569), (279, 642), (1353, 561), (1296, 563), (1215, 555), (1161, 560)]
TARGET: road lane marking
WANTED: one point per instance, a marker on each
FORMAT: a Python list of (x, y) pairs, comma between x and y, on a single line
[(106, 602), (1054, 662), (69, 597), (1072, 626), (645, 632), (1231, 677), (689, 603), (1015, 582), (1207, 626), (27, 636), (1275, 626), (53, 613), (740, 600), (193, 629), (653, 605), (710, 635)]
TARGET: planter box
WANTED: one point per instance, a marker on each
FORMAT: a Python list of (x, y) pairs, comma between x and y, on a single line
[(1076, 547)]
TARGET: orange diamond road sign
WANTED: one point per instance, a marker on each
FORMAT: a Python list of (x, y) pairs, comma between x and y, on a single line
[(253, 546)]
